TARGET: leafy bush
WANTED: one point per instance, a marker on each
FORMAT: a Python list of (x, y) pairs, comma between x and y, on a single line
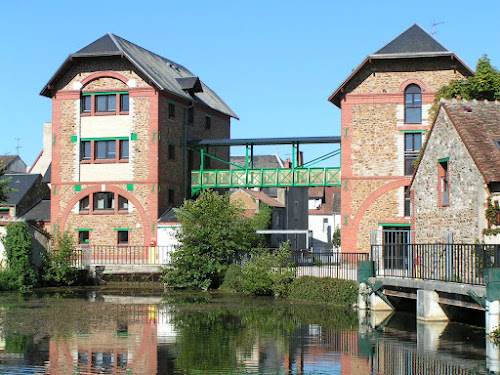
[(232, 279), (21, 272), (58, 263), (213, 232), (327, 290), (264, 273)]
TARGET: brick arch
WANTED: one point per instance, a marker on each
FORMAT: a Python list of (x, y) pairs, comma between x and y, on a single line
[(104, 74), (371, 199), (416, 81), (113, 189)]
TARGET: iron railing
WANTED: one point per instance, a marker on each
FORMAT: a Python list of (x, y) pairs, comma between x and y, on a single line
[(462, 263), (328, 263), (95, 255)]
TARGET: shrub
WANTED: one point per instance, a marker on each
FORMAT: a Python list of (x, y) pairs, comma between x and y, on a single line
[(58, 263), (21, 272), (256, 275), (232, 279), (327, 290), (213, 232)]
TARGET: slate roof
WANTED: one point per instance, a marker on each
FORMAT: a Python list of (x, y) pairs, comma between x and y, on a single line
[(478, 124), (39, 212), (259, 161), (48, 175), (21, 183), (162, 72), (263, 197), (412, 43), (7, 159), (169, 216)]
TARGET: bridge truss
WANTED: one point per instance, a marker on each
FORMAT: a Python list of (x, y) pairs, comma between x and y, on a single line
[(304, 175)]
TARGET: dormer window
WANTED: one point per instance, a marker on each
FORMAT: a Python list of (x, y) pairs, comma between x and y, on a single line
[(413, 104)]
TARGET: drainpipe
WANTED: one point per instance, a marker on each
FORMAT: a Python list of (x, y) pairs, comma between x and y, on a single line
[(185, 151)]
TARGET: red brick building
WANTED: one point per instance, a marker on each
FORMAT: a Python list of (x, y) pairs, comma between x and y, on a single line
[(121, 117), (385, 107)]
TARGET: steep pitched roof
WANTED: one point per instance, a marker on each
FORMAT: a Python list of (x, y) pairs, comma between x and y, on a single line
[(169, 216), (263, 197), (412, 43), (478, 124), (7, 159), (162, 72), (259, 161), (40, 211), (20, 184)]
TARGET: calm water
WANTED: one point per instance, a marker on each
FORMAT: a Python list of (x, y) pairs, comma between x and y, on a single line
[(202, 333)]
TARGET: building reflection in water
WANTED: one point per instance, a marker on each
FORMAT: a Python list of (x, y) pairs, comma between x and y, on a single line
[(164, 339)]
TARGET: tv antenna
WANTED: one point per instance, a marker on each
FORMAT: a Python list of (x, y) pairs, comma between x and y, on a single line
[(18, 147), (434, 24)]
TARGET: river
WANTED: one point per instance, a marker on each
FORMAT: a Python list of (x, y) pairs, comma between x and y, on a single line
[(125, 332)]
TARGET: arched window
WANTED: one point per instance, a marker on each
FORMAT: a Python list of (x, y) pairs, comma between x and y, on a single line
[(413, 104)]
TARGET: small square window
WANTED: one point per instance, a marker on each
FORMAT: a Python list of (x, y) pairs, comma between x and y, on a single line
[(105, 149), (4, 211), (171, 152), (105, 103), (123, 237), (171, 110), (122, 203), (84, 204), (124, 102), (84, 237), (208, 122)]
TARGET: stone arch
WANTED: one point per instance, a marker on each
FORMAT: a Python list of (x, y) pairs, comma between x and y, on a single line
[(104, 74), (371, 199), (410, 81), (110, 188)]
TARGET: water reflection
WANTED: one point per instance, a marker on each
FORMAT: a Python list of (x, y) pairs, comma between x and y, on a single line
[(201, 333)]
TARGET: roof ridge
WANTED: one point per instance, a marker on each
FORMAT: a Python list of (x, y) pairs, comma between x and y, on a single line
[(112, 36)]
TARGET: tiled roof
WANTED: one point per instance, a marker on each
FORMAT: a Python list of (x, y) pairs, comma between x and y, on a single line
[(412, 41), (478, 124), (7, 159), (39, 212), (163, 73), (263, 197), (259, 161), (330, 196)]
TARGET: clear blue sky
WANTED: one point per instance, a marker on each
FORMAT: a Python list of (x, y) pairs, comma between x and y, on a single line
[(274, 62)]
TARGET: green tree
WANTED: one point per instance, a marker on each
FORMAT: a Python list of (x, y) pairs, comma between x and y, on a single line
[(484, 84), (213, 231), (4, 185), (336, 238), (20, 272)]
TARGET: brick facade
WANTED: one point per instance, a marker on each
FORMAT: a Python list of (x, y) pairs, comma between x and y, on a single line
[(149, 174)]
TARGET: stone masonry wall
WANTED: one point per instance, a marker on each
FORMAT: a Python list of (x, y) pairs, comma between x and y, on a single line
[(373, 132), (467, 189)]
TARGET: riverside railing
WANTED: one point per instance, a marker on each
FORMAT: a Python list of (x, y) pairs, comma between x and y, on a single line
[(95, 255), (328, 263), (462, 263)]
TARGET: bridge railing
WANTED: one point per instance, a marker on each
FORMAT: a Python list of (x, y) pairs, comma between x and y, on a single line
[(328, 263), (462, 263), (95, 255)]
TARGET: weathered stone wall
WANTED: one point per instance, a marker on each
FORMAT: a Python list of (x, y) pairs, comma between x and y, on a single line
[(373, 143), (467, 188)]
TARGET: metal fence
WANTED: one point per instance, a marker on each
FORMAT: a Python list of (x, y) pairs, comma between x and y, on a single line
[(95, 255), (328, 263), (462, 263)]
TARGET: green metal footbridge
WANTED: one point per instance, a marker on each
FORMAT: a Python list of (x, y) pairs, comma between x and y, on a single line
[(304, 175)]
